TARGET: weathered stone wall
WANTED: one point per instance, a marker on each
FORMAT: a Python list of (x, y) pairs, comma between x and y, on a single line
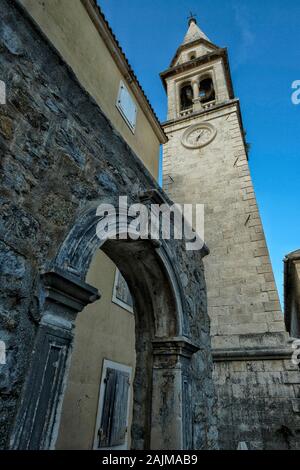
[(258, 403), (59, 157)]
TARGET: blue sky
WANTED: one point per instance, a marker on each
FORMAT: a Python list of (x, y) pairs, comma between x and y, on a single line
[(263, 39)]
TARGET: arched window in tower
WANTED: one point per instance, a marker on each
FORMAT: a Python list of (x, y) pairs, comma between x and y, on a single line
[(206, 90), (186, 97)]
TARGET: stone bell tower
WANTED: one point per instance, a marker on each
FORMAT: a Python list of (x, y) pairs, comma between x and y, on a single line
[(206, 162)]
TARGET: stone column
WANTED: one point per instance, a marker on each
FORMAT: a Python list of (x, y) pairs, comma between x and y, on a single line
[(37, 423), (171, 425), (195, 86), (197, 101), (177, 99)]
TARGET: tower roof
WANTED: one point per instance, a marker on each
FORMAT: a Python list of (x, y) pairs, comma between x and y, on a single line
[(194, 32)]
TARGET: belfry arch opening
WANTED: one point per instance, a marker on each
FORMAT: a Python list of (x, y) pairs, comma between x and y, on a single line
[(186, 97), (206, 90)]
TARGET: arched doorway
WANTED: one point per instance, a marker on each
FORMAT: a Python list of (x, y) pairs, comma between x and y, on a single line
[(168, 334), (98, 401)]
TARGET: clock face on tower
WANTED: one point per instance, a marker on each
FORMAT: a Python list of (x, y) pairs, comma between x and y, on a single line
[(198, 136)]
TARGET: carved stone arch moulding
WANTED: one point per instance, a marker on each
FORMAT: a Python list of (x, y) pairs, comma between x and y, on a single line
[(165, 342)]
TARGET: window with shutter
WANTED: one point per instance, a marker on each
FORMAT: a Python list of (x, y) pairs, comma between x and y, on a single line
[(121, 293), (112, 420), (127, 106)]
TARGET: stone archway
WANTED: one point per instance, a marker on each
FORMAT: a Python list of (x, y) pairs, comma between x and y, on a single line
[(165, 341)]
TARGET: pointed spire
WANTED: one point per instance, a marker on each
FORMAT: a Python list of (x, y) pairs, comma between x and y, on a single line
[(194, 32)]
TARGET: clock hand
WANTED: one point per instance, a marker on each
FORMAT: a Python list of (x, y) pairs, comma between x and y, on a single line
[(200, 135)]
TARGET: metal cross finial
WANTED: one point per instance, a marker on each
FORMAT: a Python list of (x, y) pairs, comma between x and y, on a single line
[(192, 17)]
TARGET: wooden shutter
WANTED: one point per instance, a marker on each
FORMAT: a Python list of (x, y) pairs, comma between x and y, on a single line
[(107, 411), (119, 420), (127, 106), (113, 426), (122, 290)]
